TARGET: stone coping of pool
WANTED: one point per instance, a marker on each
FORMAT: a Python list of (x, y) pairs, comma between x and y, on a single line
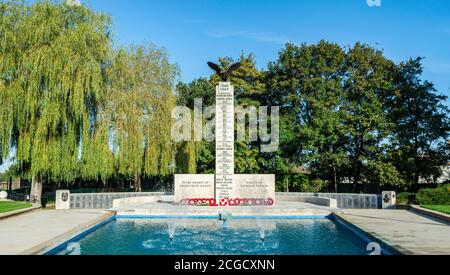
[(72, 234), (431, 213)]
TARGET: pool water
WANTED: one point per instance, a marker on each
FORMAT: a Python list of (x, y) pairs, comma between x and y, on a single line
[(123, 236)]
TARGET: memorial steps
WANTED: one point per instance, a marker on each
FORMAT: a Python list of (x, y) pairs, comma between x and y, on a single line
[(165, 207)]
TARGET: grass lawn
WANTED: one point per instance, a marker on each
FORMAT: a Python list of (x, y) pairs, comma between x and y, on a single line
[(440, 208), (7, 206)]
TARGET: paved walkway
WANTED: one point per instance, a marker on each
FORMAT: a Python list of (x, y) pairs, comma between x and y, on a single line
[(36, 231), (407, 231)]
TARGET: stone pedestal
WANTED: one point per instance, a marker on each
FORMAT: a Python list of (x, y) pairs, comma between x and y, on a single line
[(62, 200), (389, 200), (3, 195)]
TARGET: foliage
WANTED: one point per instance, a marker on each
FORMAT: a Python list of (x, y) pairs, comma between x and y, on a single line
[(139, 103), (199, 88), (303, 183), (51, 85), (369, 77), (305, 82), (341, 116), (52, 58), (197, 156), (384, 173), (420, 144), (205, 157), (186, 158), (406, 198), (438, 196)]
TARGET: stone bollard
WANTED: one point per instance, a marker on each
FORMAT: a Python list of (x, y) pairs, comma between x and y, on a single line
[(62, 200), (3, 195), (389, 199)]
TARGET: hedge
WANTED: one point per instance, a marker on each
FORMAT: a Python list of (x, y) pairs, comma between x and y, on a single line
[(438, 196)]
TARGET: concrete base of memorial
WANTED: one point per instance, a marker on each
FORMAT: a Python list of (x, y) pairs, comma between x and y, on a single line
[(164, 206)]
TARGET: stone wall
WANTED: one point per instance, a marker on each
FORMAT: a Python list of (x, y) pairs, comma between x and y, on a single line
[(104, 200), (344, 201), (5, 185), (331, 203)]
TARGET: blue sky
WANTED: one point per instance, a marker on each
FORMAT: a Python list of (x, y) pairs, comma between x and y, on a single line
[(196, 31)]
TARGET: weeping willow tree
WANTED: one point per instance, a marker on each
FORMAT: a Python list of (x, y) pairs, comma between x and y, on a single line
[(139, 86), (186, 157), (10, 16), (52, 59)]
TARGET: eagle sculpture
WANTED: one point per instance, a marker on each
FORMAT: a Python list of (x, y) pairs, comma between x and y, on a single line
[(224, 74)]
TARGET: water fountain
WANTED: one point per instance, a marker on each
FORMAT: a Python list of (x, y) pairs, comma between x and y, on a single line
[(172, 226), (259, 212), (262, 234), (184, 216), (74, 249)]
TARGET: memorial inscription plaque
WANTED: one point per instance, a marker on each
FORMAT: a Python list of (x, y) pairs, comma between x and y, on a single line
[(193, 186), (255, 187), (224, 141)]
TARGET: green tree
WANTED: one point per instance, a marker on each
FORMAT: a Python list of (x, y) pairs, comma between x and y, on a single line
[(10, 15), (422, 125), (193, 157), (52, 58), (306, 81), (139, 84), (200, 88), (369, 77)]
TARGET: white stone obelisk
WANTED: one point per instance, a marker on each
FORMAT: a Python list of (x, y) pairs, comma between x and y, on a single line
[(224, 141)]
